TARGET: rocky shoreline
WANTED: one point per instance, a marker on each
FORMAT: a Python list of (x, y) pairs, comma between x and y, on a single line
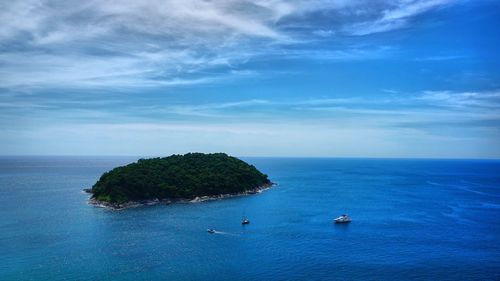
[(135, 204)]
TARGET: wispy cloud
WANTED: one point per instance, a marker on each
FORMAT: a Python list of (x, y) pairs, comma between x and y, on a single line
[(395, 16), (440, 58), (209, 110), (354, 53), (301, 138), (422, 105), (462, 100), (148, 43), (413, 108), (349, 126), (123, 43)]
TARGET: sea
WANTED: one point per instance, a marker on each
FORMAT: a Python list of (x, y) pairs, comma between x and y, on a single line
[(412, 219)]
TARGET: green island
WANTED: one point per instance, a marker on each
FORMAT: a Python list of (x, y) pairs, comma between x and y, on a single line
[(190, 177)]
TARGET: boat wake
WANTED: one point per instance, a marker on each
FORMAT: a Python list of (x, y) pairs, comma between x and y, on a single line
[(223, 233), (227, 233)]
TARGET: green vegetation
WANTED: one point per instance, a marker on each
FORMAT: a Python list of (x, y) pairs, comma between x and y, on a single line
[(178, 176)]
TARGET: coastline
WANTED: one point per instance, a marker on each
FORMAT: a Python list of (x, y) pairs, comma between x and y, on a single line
[(156, 201)]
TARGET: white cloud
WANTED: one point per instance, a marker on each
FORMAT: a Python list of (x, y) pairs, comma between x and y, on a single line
[(433, 122), (129, 43), (463, 99), (324, 33), (110, 43), (243, 139), (396, 16)]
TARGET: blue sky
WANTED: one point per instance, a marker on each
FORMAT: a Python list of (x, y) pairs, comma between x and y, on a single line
[(344, 78)]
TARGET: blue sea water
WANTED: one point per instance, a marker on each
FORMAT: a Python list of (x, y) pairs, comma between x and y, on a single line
[(412, 220)]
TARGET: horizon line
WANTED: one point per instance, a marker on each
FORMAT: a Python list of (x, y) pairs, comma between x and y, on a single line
[(267, 156)]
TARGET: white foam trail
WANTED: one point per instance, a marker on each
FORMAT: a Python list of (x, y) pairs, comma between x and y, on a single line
[(225, 233)]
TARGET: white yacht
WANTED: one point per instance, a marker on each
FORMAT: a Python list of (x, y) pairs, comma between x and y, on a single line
[(343, 219)]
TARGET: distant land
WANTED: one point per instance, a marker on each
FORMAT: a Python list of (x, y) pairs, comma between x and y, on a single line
[(191, 177)]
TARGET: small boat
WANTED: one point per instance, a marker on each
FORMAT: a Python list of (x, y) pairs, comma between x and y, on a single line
[(211, 231), (245, 221), (343, 219)]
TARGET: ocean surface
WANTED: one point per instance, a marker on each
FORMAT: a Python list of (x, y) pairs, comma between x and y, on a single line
[(412, 220)]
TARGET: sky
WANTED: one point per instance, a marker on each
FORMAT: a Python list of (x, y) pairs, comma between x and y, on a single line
[(302, 78)]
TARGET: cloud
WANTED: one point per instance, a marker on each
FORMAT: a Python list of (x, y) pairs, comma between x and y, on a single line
[(209, 110), (129, 44), (395, 16), (111, 75), (347, 54), (153, 43), (460, 100), (305, 138), (324, 33), (417, 108), (425, 106), (389, 125)]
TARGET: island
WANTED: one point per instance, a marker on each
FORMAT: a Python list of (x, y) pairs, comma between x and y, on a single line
[(192, 177)]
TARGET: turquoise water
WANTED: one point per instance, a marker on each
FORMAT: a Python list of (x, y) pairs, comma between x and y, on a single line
[(412, 220)]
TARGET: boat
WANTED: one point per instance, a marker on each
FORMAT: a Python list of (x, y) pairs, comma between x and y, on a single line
[(343, 219), (211, 231), (245, 221)]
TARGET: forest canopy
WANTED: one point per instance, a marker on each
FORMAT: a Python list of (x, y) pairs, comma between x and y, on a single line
[(178, 176)]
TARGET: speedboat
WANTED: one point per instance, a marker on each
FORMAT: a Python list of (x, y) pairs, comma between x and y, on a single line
[(343, 219), (211, 231), (245, 221)]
